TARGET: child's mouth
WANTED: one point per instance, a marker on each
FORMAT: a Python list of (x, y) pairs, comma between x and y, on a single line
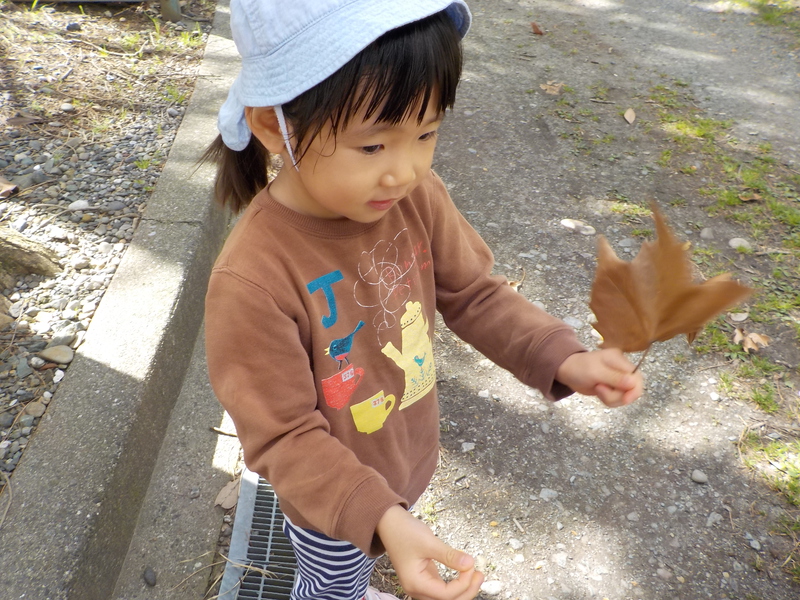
[(381, 204)]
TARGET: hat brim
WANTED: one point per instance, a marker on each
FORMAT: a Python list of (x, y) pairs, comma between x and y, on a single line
[(319, 50)]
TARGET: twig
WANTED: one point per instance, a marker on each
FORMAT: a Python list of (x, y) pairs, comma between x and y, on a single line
[(517, 524), (641, 358), (712, 367), (125, 54), (58, 214), (601, 101), (766, 252), (10, 498), (223, 432), (195, 572)]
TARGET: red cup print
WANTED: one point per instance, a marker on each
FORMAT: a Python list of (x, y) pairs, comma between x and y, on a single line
[(339, 388)]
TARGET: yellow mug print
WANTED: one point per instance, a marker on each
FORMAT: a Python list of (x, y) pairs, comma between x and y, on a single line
[(370, 414)]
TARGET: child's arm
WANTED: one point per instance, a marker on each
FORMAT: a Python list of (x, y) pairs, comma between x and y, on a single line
[(413, 548), (606, 374)]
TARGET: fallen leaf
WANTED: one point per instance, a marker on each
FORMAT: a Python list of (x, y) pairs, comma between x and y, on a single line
[(751, 342), (761, 340), (630, 116), (23, 118), (7, 188), (738, 317), (516, 284), (228, 495), (653, 298), (536, 29), (738, 335), (551, 87), (749, 197)]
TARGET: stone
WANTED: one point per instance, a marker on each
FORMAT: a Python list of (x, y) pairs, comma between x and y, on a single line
[(548, 494), (707, 233), (149, 576), (737, 243), (577, 226), (61, 355), (467, 447), (713, 519), (78, 205), (492, 588), (23, 368), (35, 409), (699, 477), (573, 322), (560, 558)]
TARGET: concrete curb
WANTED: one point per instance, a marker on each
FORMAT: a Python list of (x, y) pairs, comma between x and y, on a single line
[(80, 485)]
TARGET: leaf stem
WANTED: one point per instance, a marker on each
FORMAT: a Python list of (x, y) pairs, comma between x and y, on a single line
[(641, 359)]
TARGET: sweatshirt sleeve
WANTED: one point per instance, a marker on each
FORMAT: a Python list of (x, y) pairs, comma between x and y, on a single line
[(261, 374), (486, 312)]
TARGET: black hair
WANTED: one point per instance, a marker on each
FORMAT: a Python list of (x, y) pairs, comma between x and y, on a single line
[(401, 71)]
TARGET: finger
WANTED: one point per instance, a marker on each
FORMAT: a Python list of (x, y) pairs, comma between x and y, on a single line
[(633, 393), (452, 558), (608, 396), (614, 358), (463, 587)]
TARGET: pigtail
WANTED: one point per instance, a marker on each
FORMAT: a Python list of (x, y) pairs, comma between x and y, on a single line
[(240, 174)]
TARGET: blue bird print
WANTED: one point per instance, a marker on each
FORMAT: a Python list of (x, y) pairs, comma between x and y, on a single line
[(339, 349)]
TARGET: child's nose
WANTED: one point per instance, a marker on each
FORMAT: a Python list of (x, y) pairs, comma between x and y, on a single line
[(401, 174)]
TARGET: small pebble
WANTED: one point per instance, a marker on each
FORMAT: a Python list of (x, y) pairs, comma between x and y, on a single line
[(737, 243), (699, 477), (149, 576), (492, 588)]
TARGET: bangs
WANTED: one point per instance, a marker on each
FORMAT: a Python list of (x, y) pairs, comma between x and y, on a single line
[(399, 74)]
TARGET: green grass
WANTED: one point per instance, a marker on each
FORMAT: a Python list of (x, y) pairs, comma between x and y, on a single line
[(778, 462), (776, 13)]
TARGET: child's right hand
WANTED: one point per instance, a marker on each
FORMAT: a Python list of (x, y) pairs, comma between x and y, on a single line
[(413, 548)]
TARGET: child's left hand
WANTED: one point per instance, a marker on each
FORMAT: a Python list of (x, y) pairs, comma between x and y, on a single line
[(606, 374)]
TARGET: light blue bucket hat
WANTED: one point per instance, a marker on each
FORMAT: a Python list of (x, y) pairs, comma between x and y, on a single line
[(288, 47)]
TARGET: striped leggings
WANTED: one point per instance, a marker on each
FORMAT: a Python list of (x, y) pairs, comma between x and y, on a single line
[(327, 569)]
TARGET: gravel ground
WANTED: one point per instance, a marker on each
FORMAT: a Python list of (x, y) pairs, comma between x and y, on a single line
[(90, 105)]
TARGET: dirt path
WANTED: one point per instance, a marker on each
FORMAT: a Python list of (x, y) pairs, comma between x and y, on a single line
[(573, 501)]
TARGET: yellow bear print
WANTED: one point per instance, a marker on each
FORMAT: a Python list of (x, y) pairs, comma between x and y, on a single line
[(416, 359)]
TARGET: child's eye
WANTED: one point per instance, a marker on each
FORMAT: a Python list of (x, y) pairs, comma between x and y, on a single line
[(371, 149), (427, 136)]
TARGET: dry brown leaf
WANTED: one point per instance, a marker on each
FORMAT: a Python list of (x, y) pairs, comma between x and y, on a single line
[(516, 284), (751, 342), (653, 298), (630, 116), (229, 495), (23, 118), (552, 87), (536, 29), (749, 197), (7, 188)]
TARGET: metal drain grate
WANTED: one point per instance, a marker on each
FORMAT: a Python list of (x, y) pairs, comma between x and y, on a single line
[(258, 542)]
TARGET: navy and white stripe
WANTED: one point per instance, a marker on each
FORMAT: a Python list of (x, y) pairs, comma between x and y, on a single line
[(327, 569)]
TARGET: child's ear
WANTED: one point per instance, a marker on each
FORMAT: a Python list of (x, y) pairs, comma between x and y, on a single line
[(263, 122)]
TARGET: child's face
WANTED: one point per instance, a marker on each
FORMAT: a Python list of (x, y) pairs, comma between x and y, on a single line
[(362, 173)]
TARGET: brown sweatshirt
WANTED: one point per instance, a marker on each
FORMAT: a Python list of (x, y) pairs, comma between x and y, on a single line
[(319, 341)]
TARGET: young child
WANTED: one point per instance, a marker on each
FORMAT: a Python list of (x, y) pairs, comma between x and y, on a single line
[(320, 309)]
